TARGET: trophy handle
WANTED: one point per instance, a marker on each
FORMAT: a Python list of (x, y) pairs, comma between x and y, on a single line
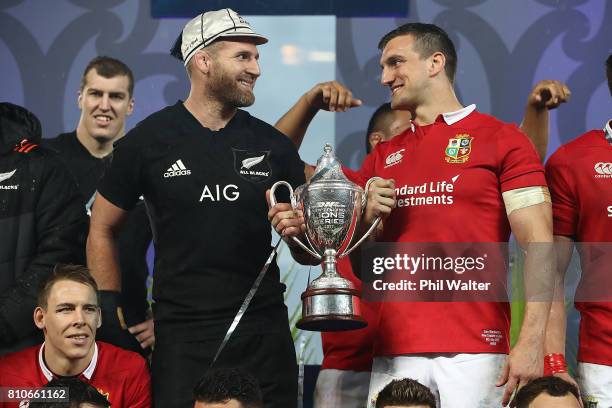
[(364, 200), (294, 206)]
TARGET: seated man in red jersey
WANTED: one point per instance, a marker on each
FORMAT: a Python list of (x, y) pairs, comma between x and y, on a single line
[(69, 315), (347, 356), (579, 174), (80, 395), (548, 392)]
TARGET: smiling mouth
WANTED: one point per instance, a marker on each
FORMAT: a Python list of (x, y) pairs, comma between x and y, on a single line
[(103, 118), (78, 336), (395, 88), (247, 83)]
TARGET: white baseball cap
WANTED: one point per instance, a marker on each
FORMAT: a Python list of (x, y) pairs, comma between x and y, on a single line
[(202, 30)]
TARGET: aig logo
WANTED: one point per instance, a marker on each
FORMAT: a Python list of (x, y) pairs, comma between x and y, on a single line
[(218, 193), (394, 158), (603, 170)]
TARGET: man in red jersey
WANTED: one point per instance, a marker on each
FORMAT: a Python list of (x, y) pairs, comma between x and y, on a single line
[(497, 181), (69, 315), (579, 174), (347, 356)]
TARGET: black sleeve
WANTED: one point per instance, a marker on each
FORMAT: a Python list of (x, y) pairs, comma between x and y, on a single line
[(121, 182), (294, 166), (61, 231)]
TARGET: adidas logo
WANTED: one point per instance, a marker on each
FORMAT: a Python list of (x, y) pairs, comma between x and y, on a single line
[(177, 169)]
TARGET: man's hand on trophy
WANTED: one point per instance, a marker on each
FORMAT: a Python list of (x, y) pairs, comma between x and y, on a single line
[(331, 96), (381, 200), (285, 220)]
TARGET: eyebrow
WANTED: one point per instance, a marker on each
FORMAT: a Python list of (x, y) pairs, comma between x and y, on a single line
[(73, 305)]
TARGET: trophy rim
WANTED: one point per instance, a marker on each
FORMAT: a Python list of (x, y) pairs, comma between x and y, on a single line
[(335, 184)]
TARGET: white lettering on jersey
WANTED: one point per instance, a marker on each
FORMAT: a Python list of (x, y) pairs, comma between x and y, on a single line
[(610, 211), (228, 193), (429, 193), (177, 169)]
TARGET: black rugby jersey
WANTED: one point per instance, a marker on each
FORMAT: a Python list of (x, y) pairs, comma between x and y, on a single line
[(135, 235), (205, 191)]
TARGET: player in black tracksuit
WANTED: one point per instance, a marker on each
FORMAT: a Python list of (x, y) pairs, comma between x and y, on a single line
[(42, 223)]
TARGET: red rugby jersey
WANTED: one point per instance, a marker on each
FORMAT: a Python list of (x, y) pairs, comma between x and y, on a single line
[(480, 157), (121, 375), (579, 174), (351, 350)]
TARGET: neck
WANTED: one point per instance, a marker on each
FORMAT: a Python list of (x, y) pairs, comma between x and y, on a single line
[(96, 147), (60, 364), (210, 112), (442, 101)]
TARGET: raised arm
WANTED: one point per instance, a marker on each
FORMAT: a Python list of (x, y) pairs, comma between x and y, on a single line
[(545, 95), (330, 96)]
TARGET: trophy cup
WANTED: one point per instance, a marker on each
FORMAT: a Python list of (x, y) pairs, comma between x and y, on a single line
[(332, 207)]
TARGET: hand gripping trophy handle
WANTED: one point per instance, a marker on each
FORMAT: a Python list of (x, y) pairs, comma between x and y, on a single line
[(308, 248), (364, 200), (294, 206)]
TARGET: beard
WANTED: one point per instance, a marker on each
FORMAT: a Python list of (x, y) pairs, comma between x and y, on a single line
[(225, 88)]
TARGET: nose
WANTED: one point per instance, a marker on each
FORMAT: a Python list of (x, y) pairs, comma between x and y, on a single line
[(253, 68), (105, 102), (386, 78), (79, 317)]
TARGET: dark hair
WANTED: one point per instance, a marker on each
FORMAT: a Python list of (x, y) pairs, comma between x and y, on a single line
[(75, 273), (429, 38), (79, 393), (109, 67), (376, 122), (609, 72), (405, 392), (224, 384), (553, 386)]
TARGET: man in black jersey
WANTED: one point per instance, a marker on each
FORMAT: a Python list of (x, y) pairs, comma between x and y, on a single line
[(105, 100), (203, 167)]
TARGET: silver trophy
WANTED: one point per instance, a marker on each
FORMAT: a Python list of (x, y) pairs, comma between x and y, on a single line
[(332, 207)]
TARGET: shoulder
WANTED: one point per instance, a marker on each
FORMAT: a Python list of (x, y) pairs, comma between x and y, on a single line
[(264, 130), (58, 143), (492, 125), (19, 365), (152, 128), (116, 359), (587, 140)]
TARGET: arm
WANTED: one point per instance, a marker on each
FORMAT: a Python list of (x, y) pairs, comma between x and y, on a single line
[(60, 227), (103, 262), (546, 95), (330, 96), (102, 253), (289, 223), (557, 319), (381, 201), (532, 227)]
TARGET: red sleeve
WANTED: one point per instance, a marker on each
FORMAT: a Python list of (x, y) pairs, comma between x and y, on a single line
[(565, 212), (520, 164), (140, 387), (354, 176)]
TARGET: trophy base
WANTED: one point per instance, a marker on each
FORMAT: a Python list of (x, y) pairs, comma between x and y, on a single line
[(331, 309), (331, 323)]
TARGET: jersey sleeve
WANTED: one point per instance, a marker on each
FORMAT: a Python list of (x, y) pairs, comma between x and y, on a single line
[(121, 183), (140, 387), (519, 163), (565, 211)]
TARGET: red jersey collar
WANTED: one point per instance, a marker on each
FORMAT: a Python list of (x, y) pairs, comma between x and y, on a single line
[(87, 373)]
